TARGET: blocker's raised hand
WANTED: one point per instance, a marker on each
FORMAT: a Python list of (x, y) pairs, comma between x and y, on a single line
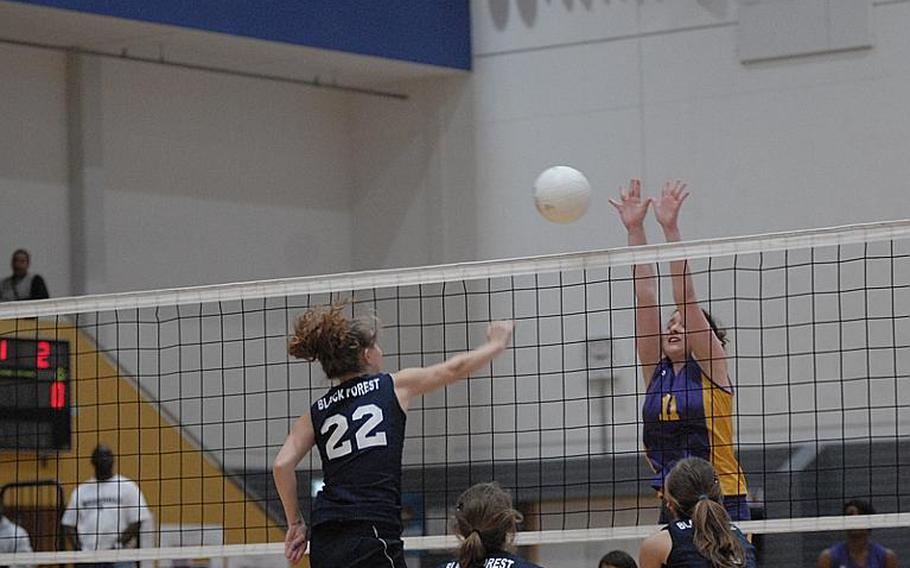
[(632, 210), (667, 206)]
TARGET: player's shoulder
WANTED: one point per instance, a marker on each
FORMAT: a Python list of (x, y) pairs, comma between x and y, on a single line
[(882, 551), (679, 525), (19, 532), (6, 525), (87, 487), (122, 482)]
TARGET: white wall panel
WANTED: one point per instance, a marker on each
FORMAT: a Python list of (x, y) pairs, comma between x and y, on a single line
[(560, 81), (509, 25), (223, 179), (33, 175)]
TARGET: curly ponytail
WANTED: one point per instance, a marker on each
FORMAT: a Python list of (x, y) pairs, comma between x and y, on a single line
[(486, 521), (695, 492), (323, 333)]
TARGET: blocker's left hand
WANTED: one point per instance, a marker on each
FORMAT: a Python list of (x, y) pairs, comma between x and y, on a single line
[(667, 206)]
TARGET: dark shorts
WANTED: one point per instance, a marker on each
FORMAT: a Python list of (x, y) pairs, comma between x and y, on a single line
[(736, 505), (355, 544)]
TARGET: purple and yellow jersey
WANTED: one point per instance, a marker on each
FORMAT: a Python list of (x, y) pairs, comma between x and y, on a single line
[(689, 415)]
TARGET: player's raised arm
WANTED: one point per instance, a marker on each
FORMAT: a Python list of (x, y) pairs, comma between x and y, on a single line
[(632, 212), (705, 344), (416, 381)]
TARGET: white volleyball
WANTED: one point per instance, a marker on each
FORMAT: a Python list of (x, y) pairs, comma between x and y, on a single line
[(562, 194)]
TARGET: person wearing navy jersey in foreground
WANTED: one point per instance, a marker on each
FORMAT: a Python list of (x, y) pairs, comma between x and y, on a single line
[(358, 427), (701, 534), (485, 523), (858, 551)]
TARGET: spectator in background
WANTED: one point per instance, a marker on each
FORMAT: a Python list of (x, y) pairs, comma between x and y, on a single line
[(617, 559), (22, 285), (106, 511), (13, 538), (857, 551)]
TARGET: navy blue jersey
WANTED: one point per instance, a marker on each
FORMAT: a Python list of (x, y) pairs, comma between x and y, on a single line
[(685, 555), (359, 428), (498, 560)]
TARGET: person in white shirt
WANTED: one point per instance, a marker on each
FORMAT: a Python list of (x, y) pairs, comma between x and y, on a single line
[(13, 538), (107, 511)]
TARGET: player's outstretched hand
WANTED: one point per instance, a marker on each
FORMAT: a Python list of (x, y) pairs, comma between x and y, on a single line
[(500, 332), (632, 210), (667, 207)]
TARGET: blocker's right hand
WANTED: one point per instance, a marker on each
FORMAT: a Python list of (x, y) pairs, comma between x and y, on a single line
[(632, 210), (500, 332), (295, 542)]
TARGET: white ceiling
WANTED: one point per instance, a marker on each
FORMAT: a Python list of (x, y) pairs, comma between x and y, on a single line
[(115, 36)]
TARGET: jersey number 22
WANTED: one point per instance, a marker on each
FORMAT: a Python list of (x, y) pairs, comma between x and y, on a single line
[(336, 447)]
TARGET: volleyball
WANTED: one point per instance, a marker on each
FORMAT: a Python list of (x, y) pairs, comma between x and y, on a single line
[(562, 194)]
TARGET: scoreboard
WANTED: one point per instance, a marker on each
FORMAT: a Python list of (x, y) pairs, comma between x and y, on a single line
[(35, 409)]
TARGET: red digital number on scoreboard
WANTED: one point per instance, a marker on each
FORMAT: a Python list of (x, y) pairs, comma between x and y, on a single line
[(58, 396), (42, 358), (4, 349)]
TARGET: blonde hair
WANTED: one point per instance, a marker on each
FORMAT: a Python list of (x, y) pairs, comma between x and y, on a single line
[(693, 488), (486, 521)]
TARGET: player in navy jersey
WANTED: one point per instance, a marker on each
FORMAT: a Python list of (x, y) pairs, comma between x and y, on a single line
[(358, 427), (485, 522), (688, 408), (701, 534)]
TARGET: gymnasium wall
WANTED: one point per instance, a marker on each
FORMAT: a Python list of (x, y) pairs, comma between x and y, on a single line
[(656, 91), (247, 171), (190, 177), (33, 177), (216, 179), (254, 174)]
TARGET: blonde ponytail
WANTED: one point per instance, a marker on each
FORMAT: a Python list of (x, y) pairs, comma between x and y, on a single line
[(695, 492)]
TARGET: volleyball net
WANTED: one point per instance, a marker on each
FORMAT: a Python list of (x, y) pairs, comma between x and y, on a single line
[(193, 391)]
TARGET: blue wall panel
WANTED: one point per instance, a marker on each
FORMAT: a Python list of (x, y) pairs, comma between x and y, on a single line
[(436, 32)]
